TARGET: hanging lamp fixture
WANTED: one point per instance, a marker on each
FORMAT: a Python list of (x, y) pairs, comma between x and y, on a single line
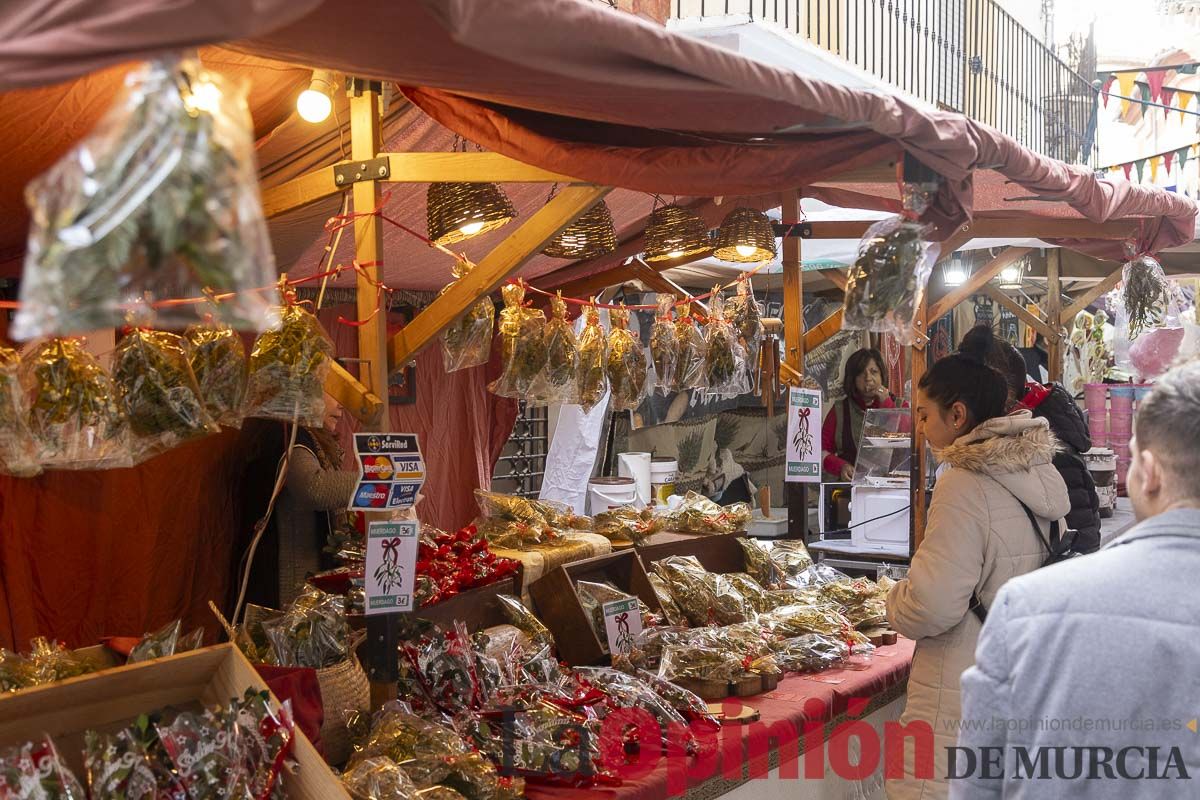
[(589, 236), (746, 235), (674, 232), (459, 211)]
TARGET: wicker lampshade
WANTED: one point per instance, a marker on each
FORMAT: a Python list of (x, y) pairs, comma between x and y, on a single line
[(458, 211), (674, 232), (745, 235), (587, 237)]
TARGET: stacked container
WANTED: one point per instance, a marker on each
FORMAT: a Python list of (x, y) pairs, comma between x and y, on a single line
[(1096, 401)]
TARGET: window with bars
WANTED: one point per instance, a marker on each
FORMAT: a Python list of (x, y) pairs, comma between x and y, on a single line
[(522, 463)]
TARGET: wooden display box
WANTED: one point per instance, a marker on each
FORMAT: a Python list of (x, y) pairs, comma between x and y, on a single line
[(720, 553), (113, 698), (559, 607), (477, 608)]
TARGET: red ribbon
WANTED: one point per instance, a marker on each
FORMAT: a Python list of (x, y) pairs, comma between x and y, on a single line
[(391, 550)]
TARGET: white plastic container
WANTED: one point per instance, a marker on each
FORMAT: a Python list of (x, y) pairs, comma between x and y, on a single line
[(662, 479), (636, 466), (605, 493)]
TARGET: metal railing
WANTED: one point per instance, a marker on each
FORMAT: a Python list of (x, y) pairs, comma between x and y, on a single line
[(962, 55)]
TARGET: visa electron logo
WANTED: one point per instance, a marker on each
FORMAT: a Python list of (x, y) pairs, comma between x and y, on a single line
[(371, 495), (377, 468)]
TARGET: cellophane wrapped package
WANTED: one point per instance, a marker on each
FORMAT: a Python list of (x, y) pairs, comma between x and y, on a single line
[(558, 381), (593, 360), (743, 313), (218, 359), (18, 449), (1148, 317), (468, 342), (522, 344), (664, 345), (288, 368), (692, 355), (725, 371), (887, 282), (159, 202), (626, 363)]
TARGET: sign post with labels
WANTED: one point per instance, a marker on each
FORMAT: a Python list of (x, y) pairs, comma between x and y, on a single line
[(622, 624), (391, 471), (391, 566)]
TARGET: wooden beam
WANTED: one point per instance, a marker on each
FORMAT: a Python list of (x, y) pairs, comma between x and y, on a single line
[(593, 284), (410, 168), (664, 285), (364, 405), (974, 283), (835, 276), (817, 335), (505, 259), (1088, 297), (1019, 311), (881, 172), (793, 289), (1054, 339)]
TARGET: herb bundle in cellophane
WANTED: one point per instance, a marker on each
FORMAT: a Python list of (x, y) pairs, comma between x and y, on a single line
[(218, 359), (627, 523), (886, 283), (1145, 294), (742, 312), (288, 367), (158, 392), (522, 344), (626, 363), (593, 360), (690, 361), (73, 411), (664, 345), (558, 381), (18, 450), (720, 340), (468, 341)]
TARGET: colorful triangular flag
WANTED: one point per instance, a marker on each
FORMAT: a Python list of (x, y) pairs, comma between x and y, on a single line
[(1128, 165), (1167, 160), (1168, 97), (1182, 155), (1140, 166), (1125, 82), (1154, 81), (1106, 82), (1187, 69), (1154, 169)]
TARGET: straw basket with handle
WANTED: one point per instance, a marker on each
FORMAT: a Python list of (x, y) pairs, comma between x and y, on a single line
[(344, 687)]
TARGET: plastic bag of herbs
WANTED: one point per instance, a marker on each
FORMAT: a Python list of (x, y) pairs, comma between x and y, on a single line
[(664, 345), (743, 313), (626, 523), (157, 392), (522, 344), (724, 357), (217, 356), (887, 282), (312, 632), (704, 597), (593, 360), (288, 368), (700, 515), (159, 201), (18, 449), (691, 355), (74, 413), (759, 564), (558, 380), (468, 342), (626, 363)]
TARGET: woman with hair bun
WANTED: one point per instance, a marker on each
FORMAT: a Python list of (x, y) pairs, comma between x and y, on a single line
[(998, 481)]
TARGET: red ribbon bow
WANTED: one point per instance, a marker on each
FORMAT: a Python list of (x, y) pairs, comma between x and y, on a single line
[(391, 550)]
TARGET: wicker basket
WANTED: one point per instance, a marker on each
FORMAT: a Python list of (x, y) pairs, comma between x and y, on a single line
[(344, 687), (587, 237), (745, 236), (675, 232), (452, 206)]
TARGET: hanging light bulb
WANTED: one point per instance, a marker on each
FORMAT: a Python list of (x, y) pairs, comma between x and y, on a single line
[(674, 232), (954, 275), (746, 234), (458, 211), (316, 102), (1010, 277), (589, 236)]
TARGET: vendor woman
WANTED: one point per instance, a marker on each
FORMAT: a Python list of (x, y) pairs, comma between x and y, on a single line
[(863, 387)]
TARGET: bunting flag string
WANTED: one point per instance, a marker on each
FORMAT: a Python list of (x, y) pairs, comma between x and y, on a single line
[(1150, 89), (1164, 163)]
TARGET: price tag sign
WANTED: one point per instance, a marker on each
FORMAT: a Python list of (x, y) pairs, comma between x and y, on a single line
[(803, 436), (391, 566), (622, 624), (391, 471)]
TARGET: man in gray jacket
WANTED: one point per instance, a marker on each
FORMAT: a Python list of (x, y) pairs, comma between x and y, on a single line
[(1086, 681)]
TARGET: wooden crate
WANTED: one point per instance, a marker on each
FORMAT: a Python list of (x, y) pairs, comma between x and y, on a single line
[(559, 606), (720, 553), (113, 698), (477, 608)]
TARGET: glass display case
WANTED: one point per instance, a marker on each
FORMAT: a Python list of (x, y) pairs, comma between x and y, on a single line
[(885, 450)]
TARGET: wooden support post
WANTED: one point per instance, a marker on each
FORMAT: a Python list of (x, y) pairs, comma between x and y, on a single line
[(364, 405), (1082, 301), (793, 349), (917, 503), (973, 284), (1054, 340), (820, 333), (505, 259), (1018, 310)]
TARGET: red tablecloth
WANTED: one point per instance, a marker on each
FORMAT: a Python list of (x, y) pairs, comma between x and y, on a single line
[(793, 718)]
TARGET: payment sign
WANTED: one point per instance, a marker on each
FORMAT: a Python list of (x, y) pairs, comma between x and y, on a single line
[(391, 471)]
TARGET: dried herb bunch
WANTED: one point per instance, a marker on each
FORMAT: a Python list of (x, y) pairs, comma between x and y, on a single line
[(558, 382), (217, 356), (664, 344), (73, 410), (885, 284), (158, 391), (522, 343), (159, 201), (692, 352), (593, 360), (1145, 293), (700, 515), (627, 523), (288, 366), (743, 313), (18, 450), (468, 342), (720, 366), (626, 362)]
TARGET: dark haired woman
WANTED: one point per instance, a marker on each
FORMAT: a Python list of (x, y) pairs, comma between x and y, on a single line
[(863, 387), (978, 536), (1054, 404)]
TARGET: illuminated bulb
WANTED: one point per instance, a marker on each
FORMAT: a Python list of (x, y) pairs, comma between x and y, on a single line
[(746, 250), (205, 97), (1011, 275), (471, 228), (314, 104), (675, 253), (955, 277)]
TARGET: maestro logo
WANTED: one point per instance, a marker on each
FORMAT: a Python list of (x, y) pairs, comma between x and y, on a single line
[(371, 495), (377, 468)]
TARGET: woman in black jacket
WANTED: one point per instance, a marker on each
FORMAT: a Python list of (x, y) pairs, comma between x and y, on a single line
[(1055, 405)]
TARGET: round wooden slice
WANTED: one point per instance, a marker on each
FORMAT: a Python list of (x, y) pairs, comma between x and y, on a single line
[(747, 686), (621, 544), (744, 716), (889, 637), (770, 681), (705, 689)]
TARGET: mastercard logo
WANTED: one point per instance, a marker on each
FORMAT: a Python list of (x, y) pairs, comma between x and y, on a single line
[(377, 468)]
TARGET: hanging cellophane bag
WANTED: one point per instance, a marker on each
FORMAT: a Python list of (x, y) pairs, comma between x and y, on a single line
[(159, 201), (73, 409), (626, 362), (18, 449), (689, 366), (157, 392), (1148, 309), (288, 368), (468, 342), (593, 360), (743, 313), (724, 358), (885, 286), (217, 355), (664, 345), (522, 344), (558, 382)]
